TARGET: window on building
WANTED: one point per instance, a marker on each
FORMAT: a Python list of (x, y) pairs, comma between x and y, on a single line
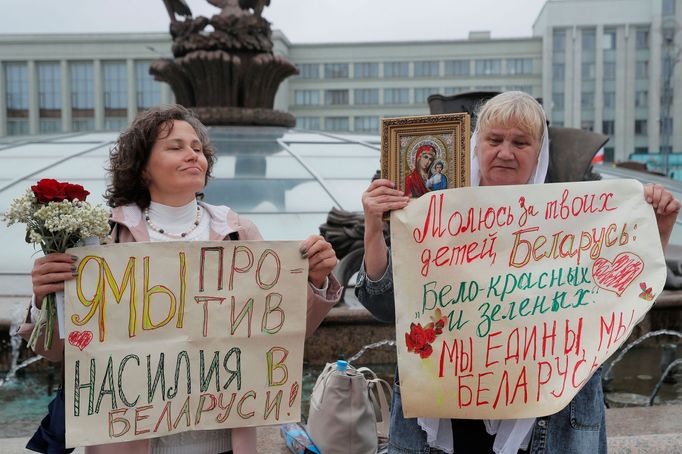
[(666, 126), (336, 71), (519, 66), (668, 7), (524, 88), (587, 125), (641, 150), (366, 124), (559, 40), (449, 91), (83, 124), (312, 123), (667, 95), (50, 125), (667, 66), (610, 70), (489, 67), (308, 70), (589, 36), (587, 100), (426, 68), (587, 70), (610, 99), (397, 69), (17, 127), (336, 123), (366, 70), (115, 85), (148, 90), (49, 96), (488, 88), (421, 95), (642, 38), (609, 154), (49, 86), (16, 89), (366, 96), (115, 123), (457, 68), (641, 127), (115, 95), (307, 97), (558, 101), (609, 39), (82, 85), (396, 95), (608, 127), (558, 71), (642, 98), (336, 97), (642, 69)]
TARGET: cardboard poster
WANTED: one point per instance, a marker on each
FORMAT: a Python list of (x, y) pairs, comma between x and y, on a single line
[(168, 337), (508, 298)]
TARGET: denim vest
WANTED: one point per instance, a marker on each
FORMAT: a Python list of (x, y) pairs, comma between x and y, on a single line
[(580, 428)]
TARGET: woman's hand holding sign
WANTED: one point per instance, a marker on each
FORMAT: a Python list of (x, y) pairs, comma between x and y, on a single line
[(379, 198), (666, 207), (321, 259)]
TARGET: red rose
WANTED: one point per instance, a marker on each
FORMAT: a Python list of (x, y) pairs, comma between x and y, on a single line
[(49, 190), (419, 340), (75, 191)]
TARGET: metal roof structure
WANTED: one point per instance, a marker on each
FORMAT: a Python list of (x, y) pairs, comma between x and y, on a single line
[(286, 181)]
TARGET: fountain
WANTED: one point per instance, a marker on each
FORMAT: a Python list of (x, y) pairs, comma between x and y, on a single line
[(224, 68), (668, 364), (15, 346)]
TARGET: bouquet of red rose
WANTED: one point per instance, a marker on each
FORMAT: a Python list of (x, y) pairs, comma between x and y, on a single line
[(57, 217)]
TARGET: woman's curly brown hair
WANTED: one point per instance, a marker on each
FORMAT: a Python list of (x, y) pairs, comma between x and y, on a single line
[(128, 159)]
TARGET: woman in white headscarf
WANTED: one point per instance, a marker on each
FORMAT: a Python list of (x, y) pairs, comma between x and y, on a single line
[(510, 146)]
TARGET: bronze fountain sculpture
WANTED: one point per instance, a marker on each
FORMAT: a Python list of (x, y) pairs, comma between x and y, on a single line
[(224, 67)]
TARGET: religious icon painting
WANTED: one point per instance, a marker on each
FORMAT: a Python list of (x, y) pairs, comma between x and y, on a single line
[(426, 153)]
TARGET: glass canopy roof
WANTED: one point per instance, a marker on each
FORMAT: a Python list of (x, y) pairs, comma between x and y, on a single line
[(286, 181)]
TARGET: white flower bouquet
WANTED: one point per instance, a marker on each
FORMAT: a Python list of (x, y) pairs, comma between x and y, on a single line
[(57, 217)]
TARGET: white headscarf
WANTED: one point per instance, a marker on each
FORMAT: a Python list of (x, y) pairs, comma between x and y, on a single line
[(510, 434)]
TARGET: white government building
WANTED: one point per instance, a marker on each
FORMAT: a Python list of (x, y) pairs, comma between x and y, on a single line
[(602, 65)]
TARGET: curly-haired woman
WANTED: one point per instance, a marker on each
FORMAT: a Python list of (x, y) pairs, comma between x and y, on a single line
[(158, 169)]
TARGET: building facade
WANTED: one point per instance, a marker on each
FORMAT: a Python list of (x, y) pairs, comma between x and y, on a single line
[(71, 83), (350, 87), (608, 66)]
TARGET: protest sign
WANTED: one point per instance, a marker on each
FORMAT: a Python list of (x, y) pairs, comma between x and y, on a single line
[(508, 298), (175, 336)]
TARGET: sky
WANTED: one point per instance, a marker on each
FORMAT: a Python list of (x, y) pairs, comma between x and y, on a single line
[(302, 21)]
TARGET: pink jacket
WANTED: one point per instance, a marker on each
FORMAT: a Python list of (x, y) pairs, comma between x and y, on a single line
[(130, 227)]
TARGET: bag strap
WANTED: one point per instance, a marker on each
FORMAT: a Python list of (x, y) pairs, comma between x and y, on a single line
[(367, 372), (378, 390)]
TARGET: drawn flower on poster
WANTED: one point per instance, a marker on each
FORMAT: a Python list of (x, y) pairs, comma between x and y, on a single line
[(647, 292), (420, 338)]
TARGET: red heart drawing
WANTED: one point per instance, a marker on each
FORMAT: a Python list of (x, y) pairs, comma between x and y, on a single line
[(80, 339), (616, 276)]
